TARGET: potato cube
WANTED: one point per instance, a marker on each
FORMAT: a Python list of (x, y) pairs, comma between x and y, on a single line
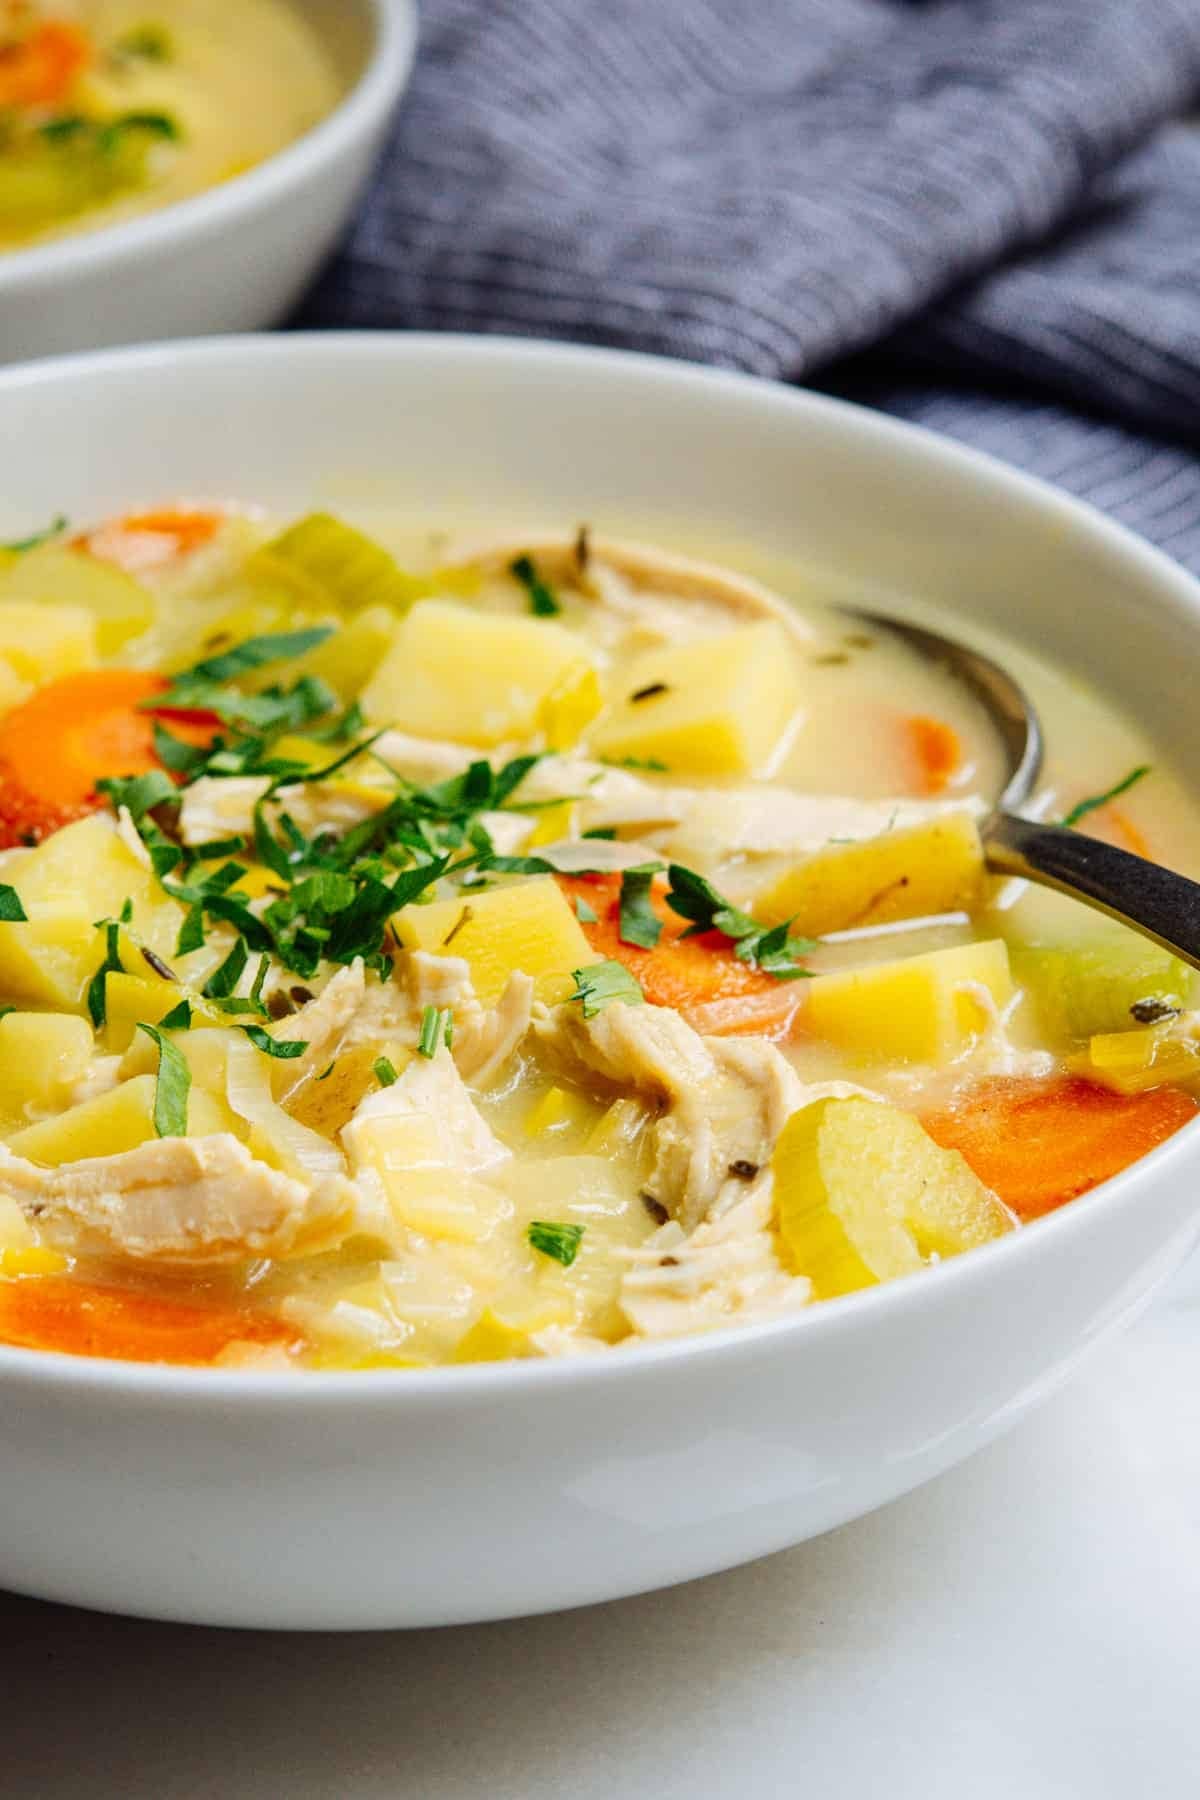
[(54, 575), (479, 678), (42, 1056), (40, 643), (119, 1120), (933, 867), (82, 873), (716, 707), (529, 927), (133, 1000), (570, 707), (920, 1008), (863, 1194)]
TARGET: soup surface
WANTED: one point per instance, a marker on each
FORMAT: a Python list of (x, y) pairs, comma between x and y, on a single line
[(109, 108), (419, 950)]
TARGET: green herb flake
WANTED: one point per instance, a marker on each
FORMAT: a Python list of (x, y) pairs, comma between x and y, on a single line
[(543, 601), (12, 912), (97, 993), (602, 983), (138, 794), (770, 948), (223, 980), (282, 1049), (639, 923), (149, 42), (1095, 801), (385, 1073), (586, 914), (561, 1242), (55, 529), (171, 1088), (178, 1019), (437, 1028)]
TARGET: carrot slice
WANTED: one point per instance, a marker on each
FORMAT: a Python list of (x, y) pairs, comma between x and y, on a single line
[(38, 70), (938, 750), (82, 1318), (699, 976), (147, 539), (69, 735), (1040, 1143)]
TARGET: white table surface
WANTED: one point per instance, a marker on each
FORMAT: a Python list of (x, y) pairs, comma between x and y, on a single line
[(1025, 1628)]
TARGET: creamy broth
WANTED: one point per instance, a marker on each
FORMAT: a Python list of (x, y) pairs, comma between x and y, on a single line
[(109, 109), (390, 1050)]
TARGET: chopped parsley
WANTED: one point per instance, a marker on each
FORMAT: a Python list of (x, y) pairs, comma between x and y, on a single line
[(586, 914), (602, 983), (172, 1086), (97, 993), (437, 1028), (639, 923), (561, 1242), (1095, 801), (543, 601), (385, 1072), (282, 1049), (178, 1019), (47, 535), (771, 948), (12, 912)]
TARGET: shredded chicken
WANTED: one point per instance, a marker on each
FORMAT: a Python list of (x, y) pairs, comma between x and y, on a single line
[(486, 1041), (215, 807), (432, 1090), (181, 1200), (723, 1101), (322, 1023), (726, 1272)]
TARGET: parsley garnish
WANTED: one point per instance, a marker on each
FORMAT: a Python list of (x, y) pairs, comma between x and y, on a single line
[(601, 983), (583, 912), (55, 529), (639, 923), (11, 910), (97, 993), (770, 948), (558, 1241), (171, 1088), (1093, 803), (150, 42), (138, 794), (283, 1049), (437, 1028), (543, 601), (385, 1073), (178, 1019), (222, 982)]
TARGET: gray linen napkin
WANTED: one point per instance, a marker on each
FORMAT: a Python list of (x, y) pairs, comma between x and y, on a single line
[(970, 211)]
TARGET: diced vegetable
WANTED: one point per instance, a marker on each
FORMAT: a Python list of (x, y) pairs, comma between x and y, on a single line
[(44, 643), (42, 1056), (559, 1112), (570, 707), (937, 749), (87, 1319), (1089, 987), (39, 67), (348, 659), (55, 575), (529, 926), (1129, 1062), (82, 873), (505, 1331), (330, 563), (328, 1099), (1038, 1144), (109, 1123), (479, 678), (919, 1008), (132, 1000), (933, 867), (863, 1194), (716, 707)]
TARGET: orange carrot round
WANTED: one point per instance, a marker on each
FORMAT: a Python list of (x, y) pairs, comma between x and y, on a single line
[(146, 539), (39, 69), (82, 1318), (71, 734), (1040, 1143), (700, 976)]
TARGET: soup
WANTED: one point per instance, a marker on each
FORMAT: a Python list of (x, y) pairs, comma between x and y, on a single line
[(109, 109), (419, 950)]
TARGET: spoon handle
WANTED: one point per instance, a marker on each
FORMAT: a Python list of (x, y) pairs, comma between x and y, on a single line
[(1157, 902)]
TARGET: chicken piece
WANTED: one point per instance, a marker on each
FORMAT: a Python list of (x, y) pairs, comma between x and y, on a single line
[(425, 1119), (322, 1023), (424, 760), (724, 1274), (216, 807), (723, 1101), (484, 1042), (180, 1200)]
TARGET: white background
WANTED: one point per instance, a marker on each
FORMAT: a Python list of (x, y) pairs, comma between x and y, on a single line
[(1025, 1628)]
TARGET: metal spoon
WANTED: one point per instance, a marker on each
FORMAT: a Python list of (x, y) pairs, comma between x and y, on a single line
[(1155, 901)]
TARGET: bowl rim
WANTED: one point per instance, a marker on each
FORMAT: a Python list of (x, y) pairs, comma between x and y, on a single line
[(364, 105), (215, 1390)]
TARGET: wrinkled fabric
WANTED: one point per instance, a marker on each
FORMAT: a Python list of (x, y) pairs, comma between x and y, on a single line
[(983, 214)]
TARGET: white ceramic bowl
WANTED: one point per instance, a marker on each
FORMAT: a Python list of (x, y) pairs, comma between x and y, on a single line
[(425, 1498), (237, 256)]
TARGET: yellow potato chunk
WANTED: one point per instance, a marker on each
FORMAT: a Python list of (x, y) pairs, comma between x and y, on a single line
[(42, 1056), (933, 867), (83, 873), (132, 1000), (327, 1101), (717, 707), (918, 1008), (570, 707), (863, 1194), (40, 643), (347, 660), (54, 576), (529, 927), (479, 678), (104, 1126), (505, 1330)]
